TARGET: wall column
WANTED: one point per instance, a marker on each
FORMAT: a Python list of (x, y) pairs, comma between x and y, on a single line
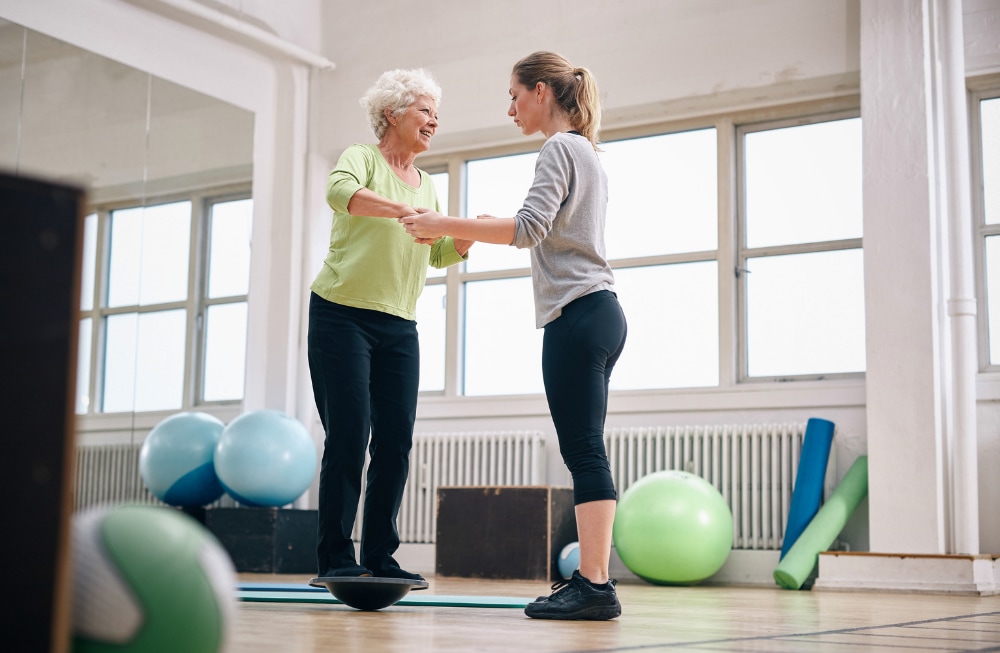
[(920, 315)]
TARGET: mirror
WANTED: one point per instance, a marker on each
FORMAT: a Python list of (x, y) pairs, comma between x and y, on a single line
[(167, 173)]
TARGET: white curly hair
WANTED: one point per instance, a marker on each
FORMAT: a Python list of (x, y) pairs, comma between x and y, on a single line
[(396, 90)]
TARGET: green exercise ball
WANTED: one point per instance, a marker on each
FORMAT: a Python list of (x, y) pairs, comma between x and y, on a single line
[(149, 579), (673, 528)]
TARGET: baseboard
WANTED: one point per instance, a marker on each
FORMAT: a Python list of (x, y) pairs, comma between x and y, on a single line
[(976, 575), (754, 568), (742, 567)]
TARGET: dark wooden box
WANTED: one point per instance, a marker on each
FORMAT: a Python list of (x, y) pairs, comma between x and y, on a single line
[(267, 540), (513, 532), (41, 239)]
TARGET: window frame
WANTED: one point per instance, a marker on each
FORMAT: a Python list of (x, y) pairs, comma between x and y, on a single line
[(979, 89), (196, 306), (744, 252), (840, 389)]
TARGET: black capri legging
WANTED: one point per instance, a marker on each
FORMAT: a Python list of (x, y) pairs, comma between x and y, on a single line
[(579, 350)]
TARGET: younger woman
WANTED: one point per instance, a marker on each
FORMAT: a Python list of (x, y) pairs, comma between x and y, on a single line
[(562, 222)]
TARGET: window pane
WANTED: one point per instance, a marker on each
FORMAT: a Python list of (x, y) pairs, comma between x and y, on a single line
[(503, 349), (431, 327), (144, 361), (993, 296), (803, 184), (498, 187), (89, 262), (806, 314), (83, 367), (225, 351), (149, 254), (440, 180), (229, 253), (991, 159), (680, 170), (673, 326), (441, 183)]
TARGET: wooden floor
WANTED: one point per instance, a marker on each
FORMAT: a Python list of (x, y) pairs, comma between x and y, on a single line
[(700, 618)]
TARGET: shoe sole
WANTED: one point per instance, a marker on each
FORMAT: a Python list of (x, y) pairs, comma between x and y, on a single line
[(588, 614)]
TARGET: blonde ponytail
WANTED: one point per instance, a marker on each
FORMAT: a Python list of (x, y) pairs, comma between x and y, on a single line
[(574, 89)]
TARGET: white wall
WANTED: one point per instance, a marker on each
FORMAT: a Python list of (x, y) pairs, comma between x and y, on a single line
[(81, 119), (645, 54)]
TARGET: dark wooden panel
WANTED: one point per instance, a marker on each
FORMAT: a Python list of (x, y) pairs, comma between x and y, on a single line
[(266, 540), (40, 244), (503, 532)]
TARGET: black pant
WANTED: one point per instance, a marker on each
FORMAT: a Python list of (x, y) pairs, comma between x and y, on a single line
[(365, 368), (579, 350)]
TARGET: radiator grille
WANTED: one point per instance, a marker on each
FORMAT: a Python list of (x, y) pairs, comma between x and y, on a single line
[(110, 474), (753, 466), (479, 458)]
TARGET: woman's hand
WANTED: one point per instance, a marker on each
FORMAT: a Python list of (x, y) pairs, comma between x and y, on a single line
[(424, 224)]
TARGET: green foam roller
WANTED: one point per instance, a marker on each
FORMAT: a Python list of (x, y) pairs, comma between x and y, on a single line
[(823, 529)]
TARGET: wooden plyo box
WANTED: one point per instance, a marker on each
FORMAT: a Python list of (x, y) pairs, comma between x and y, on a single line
[(266, 540), (510, 532)]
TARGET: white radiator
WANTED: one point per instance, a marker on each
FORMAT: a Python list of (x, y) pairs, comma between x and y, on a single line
[(478, 458), (109, 474), (752, 465)]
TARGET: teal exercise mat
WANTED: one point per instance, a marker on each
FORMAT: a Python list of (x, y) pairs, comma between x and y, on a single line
[(279, 587), (307, 594)]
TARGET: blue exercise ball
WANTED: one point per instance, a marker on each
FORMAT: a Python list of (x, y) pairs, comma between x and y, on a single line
[(569, 560), (673, 528), (265, 458), (176, 460)]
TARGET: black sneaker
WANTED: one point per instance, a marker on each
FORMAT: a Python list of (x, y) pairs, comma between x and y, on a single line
[(347, 572), (577, 598), (393, 571)]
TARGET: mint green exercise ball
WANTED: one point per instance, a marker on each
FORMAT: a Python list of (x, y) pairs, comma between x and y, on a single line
[(149, 579), (673, 528)]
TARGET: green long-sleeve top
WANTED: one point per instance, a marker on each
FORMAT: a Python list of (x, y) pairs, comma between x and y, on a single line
[(372, 262)]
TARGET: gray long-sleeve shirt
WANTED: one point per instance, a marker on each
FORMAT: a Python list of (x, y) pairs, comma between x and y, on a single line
[(562, 221)]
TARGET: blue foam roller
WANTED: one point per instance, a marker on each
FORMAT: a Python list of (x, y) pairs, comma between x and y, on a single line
[(792, 572), (807, 495)]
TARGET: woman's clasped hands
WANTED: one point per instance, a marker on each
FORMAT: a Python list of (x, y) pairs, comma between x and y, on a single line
[(423, 224), (427, 225)]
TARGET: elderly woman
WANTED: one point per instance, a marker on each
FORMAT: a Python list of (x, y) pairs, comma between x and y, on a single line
[(364, 356)]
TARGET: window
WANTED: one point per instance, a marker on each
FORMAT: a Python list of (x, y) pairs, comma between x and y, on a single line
[(662, 242), (800, 260), (502, 348), (986, 175), (164, 305), (432, 310), (736, 246)]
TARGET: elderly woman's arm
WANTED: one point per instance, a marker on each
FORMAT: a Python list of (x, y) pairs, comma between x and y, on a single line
[(347, 187), (370, 203)]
